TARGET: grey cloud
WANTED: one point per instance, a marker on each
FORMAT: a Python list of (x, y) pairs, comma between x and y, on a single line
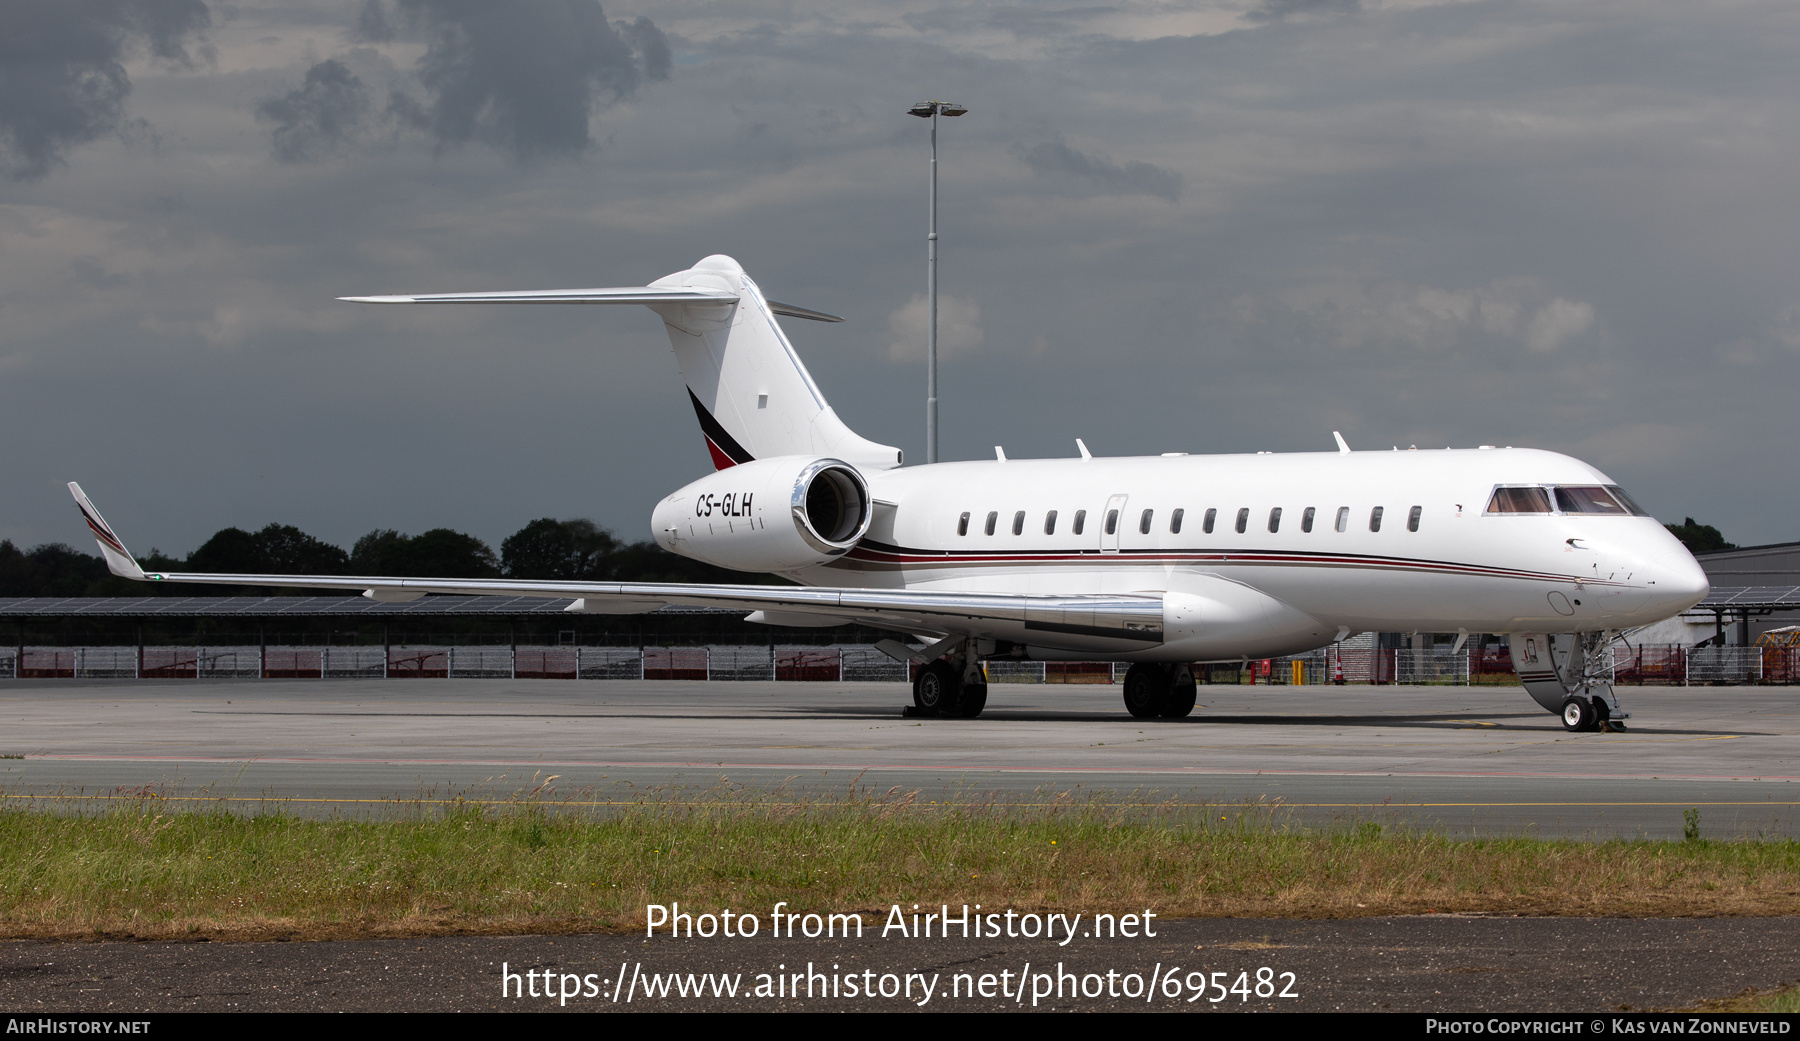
[(648, 41), (1382, 315), (1134, 178), (62, 78), (372, 24), (1279, 10), (524, 76), (319, 118), (1367, 188)]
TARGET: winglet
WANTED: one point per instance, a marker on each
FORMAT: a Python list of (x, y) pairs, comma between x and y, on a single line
[(118, 558), (1343, 445)]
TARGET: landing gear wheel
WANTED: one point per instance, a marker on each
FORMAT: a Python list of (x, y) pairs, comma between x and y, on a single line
[(936, 690), (972, 701), (1181, 697), (1146, 690), (1578, 715)]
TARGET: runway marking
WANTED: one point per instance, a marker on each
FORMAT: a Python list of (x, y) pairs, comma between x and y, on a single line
[(984, 803), (964, 768)]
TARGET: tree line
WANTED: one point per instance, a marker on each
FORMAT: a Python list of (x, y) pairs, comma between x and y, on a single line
[(544, 549)]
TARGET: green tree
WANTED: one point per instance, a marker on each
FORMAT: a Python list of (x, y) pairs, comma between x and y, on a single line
[(438, 553), (48, 570), (286, 550), (1699, 538), (557, 550), (231, 551)]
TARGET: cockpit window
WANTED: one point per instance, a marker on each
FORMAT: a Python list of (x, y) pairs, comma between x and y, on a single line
[(1519, 500), (1578, 498), (1626, 501), (1605, 500)]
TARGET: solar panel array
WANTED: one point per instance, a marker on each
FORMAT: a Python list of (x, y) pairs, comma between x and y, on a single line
[(1752, 598)]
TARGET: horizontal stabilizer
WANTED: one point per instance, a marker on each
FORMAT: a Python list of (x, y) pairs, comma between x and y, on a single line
[(624, 295), (794, 311)]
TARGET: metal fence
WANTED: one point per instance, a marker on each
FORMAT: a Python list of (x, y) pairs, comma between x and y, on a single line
[(853, 663)]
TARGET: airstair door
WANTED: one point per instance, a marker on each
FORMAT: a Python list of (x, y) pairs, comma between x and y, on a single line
[(1111, 523)]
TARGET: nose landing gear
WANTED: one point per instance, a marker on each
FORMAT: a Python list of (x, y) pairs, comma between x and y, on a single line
[(1581, 715), (1571, 675), (1578, 715)]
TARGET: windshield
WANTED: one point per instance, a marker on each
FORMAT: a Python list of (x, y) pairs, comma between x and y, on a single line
[(1530, 499), (1627, 501), (1587, 499), (1606, 500)]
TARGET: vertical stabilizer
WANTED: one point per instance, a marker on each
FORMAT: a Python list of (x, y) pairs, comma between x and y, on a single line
[(751, 393)]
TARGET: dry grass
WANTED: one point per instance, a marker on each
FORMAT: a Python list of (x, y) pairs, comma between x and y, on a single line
[(1780, 999), (149, 870)]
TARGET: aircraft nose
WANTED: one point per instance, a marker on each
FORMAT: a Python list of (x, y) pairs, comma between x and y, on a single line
[(1681, 582)]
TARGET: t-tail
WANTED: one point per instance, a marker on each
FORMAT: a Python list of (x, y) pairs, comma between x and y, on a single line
[(750, 391)]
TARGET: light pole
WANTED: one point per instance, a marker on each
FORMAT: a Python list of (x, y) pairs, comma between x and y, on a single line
[(932, 110)]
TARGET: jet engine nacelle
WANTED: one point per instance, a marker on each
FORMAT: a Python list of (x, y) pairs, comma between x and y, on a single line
[(779, 514)]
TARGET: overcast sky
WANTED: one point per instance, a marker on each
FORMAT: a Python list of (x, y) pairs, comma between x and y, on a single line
[(1205, 227)]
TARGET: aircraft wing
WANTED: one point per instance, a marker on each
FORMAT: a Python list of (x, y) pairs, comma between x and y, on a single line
[(1133, 619)]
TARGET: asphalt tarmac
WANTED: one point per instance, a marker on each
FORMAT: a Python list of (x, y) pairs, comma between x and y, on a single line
[(1438, 963), (1466, 760)]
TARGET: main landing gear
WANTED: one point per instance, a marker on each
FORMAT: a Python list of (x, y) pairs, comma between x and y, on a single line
[(944, 691), (1157, 691)]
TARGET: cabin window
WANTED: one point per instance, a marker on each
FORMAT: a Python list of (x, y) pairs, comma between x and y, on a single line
[(1274, 520), (1343, 518), (1519, 500), (1306, 519), (1144, 522), (1412, 518), (1243, 520), (1019, 523), (1175, 522), (1112, 522), (992, 517), (1206, 522), (1375, 519), (1080, 520), (1050, 523), (1587, 499), (962, 525)]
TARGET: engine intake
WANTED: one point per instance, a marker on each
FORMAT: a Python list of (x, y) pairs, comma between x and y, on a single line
[(831, 506), (780, 514)]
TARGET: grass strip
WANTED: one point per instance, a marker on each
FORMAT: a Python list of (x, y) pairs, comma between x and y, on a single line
[(153, 870)]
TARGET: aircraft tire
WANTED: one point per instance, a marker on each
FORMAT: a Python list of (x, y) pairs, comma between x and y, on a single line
[(1180, 699), (937, 690), (1578, 715), (1146, 690), (973, 700)]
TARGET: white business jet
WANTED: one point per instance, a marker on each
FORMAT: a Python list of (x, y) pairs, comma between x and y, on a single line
[(1158, 561)]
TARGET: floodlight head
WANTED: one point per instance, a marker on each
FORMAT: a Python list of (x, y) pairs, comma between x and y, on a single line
[(947, 109), (924, 109)]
